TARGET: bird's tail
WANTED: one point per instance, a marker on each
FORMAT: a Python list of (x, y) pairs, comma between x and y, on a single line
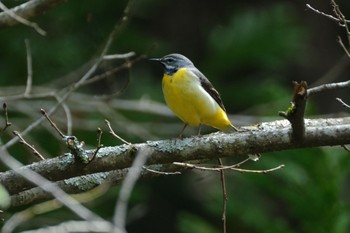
[(230, 129)]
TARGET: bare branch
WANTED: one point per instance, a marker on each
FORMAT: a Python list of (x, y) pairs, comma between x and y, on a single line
[(111, 131), (327, 87), (22, 141), (27, 10), (224, 196), (324, 14), (221, 166), (259, 171), (77, 185), (67, 112), (99, 146), (7, 123), (339, 40), (117, 29), (232, 167), (108, 73), (22, 20), (295, 113), (342, 21), (35, 178), (346, 148), (343, 103), (166, 173), (39, 180), (341, 17), (119, 56), (29, 69), (52, 123), (271, 136), (74, 226), (33, 195), (127, 186)]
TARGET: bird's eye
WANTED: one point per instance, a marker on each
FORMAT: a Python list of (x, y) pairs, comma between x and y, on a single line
[(169, 60)]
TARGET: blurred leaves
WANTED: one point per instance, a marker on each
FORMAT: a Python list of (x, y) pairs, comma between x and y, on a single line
[(268, 39), (251, 54), (189, 223)]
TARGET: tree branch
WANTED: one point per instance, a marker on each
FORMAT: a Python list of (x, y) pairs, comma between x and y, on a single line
[(271, 136), (295, 113), (85, 183), (26, 10), (36, 178), (326, 15), (327, 87)]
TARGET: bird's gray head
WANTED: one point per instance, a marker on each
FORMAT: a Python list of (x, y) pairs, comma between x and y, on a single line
[(173, 62)]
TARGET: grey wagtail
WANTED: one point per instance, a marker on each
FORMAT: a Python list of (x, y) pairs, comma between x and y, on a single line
[(190, 95)]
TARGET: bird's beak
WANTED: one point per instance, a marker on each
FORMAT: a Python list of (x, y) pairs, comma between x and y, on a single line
[(154, 59)]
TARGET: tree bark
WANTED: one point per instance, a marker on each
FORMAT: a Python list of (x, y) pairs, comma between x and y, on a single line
[(265, 137)]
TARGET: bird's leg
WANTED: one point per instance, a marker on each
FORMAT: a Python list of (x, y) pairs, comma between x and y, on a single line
[(183, 129), (199, 130), (235, 128)]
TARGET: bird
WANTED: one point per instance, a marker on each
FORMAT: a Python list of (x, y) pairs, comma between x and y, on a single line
[(191, 96)]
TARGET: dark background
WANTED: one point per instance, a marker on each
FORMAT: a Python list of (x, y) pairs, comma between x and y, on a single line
[(250, 50)]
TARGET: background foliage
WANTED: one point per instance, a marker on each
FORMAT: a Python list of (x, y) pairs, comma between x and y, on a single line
[(250, 50)]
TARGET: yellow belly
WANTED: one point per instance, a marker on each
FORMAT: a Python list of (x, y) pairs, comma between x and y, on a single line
[(186, 97)]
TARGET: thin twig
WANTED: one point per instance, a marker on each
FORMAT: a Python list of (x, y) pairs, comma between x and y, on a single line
[(125, 65), (48, 186), (324, 14), (27, 9), (346, 148), (119, 218), (328, 86), (258, 171), (345, 105), (33, 211), (68, 114), (189, 165), (99, 145), (52, 123), (99, 134), (160, 172), (7, 123), (295, 113), (29, 69), (242, 162), (111, 131), (34, 177), (218, 169), (127, 186), (342, 21), (118, 27), (22, 141), (119, 56), (340, 41), (341, 18), (68, 226), (22, 20), (224, 196)]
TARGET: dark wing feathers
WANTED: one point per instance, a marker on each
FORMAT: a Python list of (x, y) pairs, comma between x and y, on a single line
[(206, 84)]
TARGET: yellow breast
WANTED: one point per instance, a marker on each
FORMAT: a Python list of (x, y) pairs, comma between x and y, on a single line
[(190, 101)]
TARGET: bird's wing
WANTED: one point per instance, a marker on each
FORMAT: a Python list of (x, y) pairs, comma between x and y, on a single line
[(208, 87)]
